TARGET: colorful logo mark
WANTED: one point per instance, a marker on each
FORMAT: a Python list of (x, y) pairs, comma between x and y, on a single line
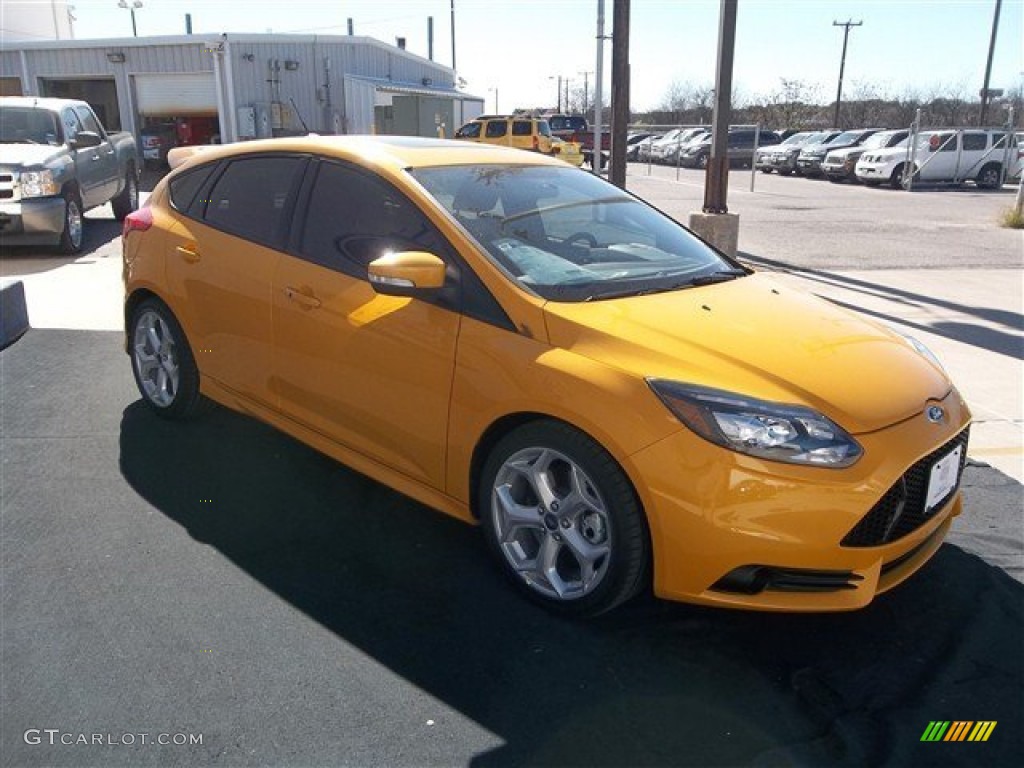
[(959, 730)]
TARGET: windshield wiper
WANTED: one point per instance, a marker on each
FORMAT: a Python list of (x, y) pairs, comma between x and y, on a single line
[(717, 277)]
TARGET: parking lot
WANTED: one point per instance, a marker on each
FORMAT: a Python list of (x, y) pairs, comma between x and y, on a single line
[(220, 579)]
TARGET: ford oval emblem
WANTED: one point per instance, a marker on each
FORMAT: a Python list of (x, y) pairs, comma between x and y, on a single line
[(935, 414)]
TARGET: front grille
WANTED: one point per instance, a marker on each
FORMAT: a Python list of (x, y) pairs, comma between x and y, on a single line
[(901, 510)]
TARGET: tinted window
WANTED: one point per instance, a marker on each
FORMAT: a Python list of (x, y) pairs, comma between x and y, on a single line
[(947, 142), (468, 131), (496, 128), (71, 124), (354, 217), (521, 128), (88, 121), (975, 141), (249, 199), (543, 128), (183, 188)]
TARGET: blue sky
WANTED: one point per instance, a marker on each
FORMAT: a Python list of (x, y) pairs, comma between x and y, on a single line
[(515, 46)]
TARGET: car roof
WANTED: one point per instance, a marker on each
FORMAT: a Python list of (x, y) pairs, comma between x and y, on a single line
[(395, 152)]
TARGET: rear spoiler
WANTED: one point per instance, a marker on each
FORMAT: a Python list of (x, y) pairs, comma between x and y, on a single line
[(180, 155)]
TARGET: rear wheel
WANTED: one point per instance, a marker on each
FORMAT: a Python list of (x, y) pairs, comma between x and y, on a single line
[(165, 370), (562, 520), (128, 200), (989, 176)]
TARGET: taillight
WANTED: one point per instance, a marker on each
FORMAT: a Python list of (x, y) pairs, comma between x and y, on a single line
[(138, 221)]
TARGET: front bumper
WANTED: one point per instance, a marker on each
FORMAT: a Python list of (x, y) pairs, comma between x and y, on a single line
[(777, 162), (731, 530), (36, 220), (809, 165)]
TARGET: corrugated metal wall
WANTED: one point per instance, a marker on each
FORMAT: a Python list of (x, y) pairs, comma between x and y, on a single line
[(246, 61)]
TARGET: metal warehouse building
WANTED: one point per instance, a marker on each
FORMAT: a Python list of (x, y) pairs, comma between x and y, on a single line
[(241, 87)]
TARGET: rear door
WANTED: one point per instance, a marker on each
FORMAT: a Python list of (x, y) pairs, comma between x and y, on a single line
[(221, 255), (942, 162), (371, 372)]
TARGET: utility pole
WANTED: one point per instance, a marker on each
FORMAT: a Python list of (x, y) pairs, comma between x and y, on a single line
[(716, 180), (620, 92), (595, 162), (453, 35), (842, 64), (558, 97), (988, 67), (586, 91)]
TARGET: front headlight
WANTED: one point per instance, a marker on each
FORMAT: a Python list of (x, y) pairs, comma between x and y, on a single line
[(38, 184), (774, 431)]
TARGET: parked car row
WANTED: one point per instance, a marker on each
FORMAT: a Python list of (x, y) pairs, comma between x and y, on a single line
[(691, 147), (873, 156)]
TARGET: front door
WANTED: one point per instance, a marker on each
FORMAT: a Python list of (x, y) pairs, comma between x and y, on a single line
[(372, 372)]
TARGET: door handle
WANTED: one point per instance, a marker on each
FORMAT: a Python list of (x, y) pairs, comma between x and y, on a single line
[(304, 299), (188, 254)]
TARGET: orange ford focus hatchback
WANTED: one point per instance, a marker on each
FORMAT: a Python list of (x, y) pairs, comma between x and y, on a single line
[(522, 345)]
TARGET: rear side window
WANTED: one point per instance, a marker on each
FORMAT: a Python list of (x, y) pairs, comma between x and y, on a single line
[(468, 131), (521, 128), (496, 128), (975, 141), (250, 198), (184, 188)]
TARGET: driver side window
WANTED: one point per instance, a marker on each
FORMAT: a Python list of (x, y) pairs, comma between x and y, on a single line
[(354, 218), (71, 124)]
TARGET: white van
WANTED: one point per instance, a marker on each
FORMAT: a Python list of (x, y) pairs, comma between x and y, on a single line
[(945, 155)]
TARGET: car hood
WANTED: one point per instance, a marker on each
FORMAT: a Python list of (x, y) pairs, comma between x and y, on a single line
[(27, 154), (823, 148), (758, 338), (848, 152)]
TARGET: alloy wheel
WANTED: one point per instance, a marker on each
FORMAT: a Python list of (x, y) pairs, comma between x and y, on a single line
[(156, 359)]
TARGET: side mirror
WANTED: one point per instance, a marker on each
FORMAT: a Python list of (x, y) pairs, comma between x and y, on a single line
[(406, 273), (86, 139)]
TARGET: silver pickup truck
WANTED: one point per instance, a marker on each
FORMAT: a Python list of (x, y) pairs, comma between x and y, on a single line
[(56, 162)]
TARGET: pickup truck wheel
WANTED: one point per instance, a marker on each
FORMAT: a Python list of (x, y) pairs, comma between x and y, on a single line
[(988, 177), (71, 237), (128, 200)]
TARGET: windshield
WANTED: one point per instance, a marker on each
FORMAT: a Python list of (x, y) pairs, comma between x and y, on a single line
[(879, 140), (570, 236), (846, 138), (799, 138), (25, 125)]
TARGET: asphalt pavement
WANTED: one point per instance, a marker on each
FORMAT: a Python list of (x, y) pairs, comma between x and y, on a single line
[(219, 580)]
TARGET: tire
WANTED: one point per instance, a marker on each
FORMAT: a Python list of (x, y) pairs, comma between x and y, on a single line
[(988, 177), (591, 531), (765, 170), (896, 179), (162, 362), (128, 200), (835, 179), (74, 225), (785, 172), (872, 183)]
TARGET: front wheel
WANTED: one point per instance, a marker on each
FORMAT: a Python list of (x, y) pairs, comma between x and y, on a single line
[(562, 520), (71, 236), (896, 179), (165, 370)]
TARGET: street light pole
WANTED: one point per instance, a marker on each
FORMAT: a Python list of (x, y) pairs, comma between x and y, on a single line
[(558, 108), (586, 91), (134, 4), (496, 110), (842, 64)]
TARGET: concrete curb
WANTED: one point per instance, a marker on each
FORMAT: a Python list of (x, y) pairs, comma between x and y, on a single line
[(13, 312)]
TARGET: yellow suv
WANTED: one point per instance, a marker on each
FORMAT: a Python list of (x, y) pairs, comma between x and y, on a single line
[(519, 131)]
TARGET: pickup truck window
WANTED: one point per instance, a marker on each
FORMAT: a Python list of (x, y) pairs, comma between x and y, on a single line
[(89, 121), (28, 126), (71, 123)]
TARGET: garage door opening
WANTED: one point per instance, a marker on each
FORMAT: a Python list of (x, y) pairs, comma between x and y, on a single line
[(175, 111), (99, 93)]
